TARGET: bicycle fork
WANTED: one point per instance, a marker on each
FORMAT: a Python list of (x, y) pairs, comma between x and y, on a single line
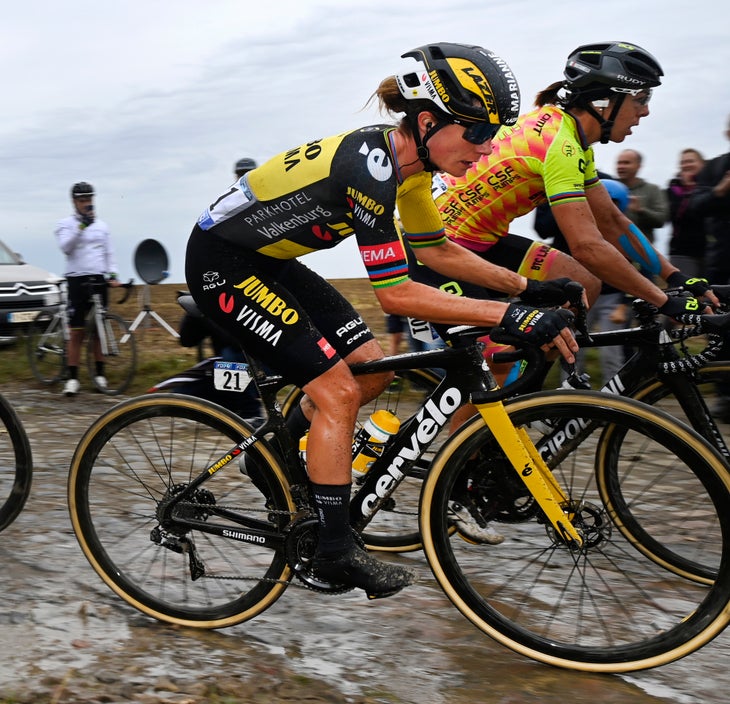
[(532, 470)]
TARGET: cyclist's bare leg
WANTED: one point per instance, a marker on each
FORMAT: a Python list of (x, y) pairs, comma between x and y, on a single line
[(336, 397), (98, 356), (76, 339), (370, 385)]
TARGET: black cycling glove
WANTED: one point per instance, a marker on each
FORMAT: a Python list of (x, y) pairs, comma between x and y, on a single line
[(533, 325), (87, 219), (546, 293), (678, 306), (696, 286)]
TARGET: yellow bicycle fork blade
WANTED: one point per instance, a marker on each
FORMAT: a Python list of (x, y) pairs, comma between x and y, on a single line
[(524, 457)]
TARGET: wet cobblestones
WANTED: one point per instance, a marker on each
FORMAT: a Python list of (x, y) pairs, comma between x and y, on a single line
[(68, 638)]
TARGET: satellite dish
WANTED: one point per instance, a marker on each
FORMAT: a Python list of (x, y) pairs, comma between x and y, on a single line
[(151, 262)]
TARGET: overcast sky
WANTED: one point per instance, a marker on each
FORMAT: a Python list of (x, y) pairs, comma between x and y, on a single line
[(152, 102)]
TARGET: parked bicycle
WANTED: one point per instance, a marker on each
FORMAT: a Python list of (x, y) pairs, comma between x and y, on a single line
[(616, 536), (16, 464), (48, 337)]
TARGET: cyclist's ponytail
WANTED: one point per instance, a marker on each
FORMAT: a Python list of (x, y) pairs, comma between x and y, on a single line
[(549, 96)]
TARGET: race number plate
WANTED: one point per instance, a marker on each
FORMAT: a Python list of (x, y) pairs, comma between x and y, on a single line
[(231, 376)]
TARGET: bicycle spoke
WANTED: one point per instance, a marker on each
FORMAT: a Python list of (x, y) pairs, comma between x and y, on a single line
[(654, 519), (122, 479)]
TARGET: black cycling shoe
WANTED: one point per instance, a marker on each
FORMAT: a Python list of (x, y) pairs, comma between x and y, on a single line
[(357, 568)]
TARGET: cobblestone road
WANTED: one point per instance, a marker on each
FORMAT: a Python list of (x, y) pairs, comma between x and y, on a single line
[(69, 639)]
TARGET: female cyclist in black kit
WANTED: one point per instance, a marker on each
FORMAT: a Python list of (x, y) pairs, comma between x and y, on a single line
[(243, 271)]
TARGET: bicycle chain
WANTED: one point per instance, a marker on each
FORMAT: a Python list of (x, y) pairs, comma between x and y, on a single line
[(266, 580)]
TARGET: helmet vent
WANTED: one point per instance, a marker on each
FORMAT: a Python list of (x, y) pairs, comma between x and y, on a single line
[(411, 80), (639, 67)]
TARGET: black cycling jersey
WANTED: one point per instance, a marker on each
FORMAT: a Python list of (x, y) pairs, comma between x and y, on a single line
[(240, 266)]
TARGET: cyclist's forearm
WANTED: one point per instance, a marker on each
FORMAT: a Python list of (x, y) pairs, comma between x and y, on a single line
[(604, 260), (427, 303)]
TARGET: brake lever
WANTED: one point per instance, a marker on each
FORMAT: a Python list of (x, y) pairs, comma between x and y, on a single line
[(574, 291), (722, 291)]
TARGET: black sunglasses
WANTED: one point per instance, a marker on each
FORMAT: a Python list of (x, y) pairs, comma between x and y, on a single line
[(478, 132)]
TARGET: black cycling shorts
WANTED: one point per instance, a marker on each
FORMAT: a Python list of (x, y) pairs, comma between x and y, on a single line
[(523, 255), (79, 297), (280, 311)]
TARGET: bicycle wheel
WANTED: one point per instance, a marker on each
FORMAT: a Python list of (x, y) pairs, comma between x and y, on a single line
[(16, 465), (46, 349), (168, 564), (612, 605), (394, 528), (120, 362)]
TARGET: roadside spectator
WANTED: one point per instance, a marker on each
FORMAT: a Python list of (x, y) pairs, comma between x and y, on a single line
[(687, 239), (243, 166), (86, 243), (648, 207), (711, 200)]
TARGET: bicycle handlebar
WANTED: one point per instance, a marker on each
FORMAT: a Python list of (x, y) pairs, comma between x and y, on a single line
[(127, 290), (531, 377), (715, 326)]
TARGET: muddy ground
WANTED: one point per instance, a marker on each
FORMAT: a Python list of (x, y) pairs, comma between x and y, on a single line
[(68, 638)]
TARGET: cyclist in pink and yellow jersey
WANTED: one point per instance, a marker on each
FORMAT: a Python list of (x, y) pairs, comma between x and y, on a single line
[(547, 156)]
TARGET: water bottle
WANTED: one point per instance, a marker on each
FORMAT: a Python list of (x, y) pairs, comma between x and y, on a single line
[(370, 440), (303, 449)]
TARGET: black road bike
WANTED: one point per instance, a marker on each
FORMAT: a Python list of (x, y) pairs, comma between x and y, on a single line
[(616, 531)]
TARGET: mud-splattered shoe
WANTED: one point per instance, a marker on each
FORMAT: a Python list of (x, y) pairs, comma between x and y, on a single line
[(468, 527), (356, 568)]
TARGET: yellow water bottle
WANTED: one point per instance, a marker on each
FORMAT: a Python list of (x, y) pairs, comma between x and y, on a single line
[(303, 449), (370, 440)]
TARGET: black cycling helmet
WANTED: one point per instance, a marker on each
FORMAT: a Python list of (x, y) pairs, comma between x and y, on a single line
[(595, 71), (460, 83), (82, 189), (612, 66), (244, 166)]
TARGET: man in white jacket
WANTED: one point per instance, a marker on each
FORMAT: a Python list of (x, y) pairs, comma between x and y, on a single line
[(86, 243)]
